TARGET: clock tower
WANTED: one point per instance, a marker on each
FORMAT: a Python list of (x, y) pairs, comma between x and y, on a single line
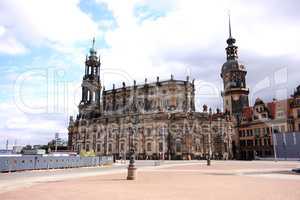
[(235, 94), (91, 86)]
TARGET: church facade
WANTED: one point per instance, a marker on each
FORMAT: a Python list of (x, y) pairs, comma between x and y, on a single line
[(158, 120)]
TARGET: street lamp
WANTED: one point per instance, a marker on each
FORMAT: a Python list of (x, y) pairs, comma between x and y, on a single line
[(131, 170), (170, 117), (163, 144), (209, 139), (274, 143)]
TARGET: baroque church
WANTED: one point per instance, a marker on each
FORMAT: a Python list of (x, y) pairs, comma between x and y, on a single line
[(158, 120)]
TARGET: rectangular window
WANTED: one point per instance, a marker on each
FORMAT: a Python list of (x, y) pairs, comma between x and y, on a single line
[(148, 132), (283, 128), (280, 114), (276, 129), (256, 131), (242, 143), (241, 133), (178, 147), (250, 143), (266, 142), (248, 132), (160, 146), (98, 147), (110, 147)]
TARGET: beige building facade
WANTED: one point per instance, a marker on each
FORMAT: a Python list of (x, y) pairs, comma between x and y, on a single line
[(158, 120)]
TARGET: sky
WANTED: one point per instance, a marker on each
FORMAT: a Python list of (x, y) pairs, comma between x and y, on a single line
[(43, 44)]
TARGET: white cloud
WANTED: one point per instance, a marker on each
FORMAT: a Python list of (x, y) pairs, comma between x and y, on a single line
[(2, 30), (10, 45), (28, 128), (193, 34), (53, 22)]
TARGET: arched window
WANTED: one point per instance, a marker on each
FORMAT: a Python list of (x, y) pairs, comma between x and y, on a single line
[(88, 95), (94, 96), (122, 147), (148, 146)]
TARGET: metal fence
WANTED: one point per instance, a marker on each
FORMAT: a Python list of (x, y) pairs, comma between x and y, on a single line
[(287, 145), (10, 163)]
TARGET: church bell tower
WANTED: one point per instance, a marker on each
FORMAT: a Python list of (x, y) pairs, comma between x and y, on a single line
[(91, 86), (235, 94)]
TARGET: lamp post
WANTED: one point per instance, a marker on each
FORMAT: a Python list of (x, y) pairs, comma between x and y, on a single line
[(209, 139), (131, 170), (163, 147), (274, 143), (170, 117)]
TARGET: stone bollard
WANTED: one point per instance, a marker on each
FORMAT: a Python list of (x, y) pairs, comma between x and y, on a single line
[(208, 161), (131, 170)]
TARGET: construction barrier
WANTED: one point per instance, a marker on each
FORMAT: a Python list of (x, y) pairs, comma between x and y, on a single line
[(34, 162)]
